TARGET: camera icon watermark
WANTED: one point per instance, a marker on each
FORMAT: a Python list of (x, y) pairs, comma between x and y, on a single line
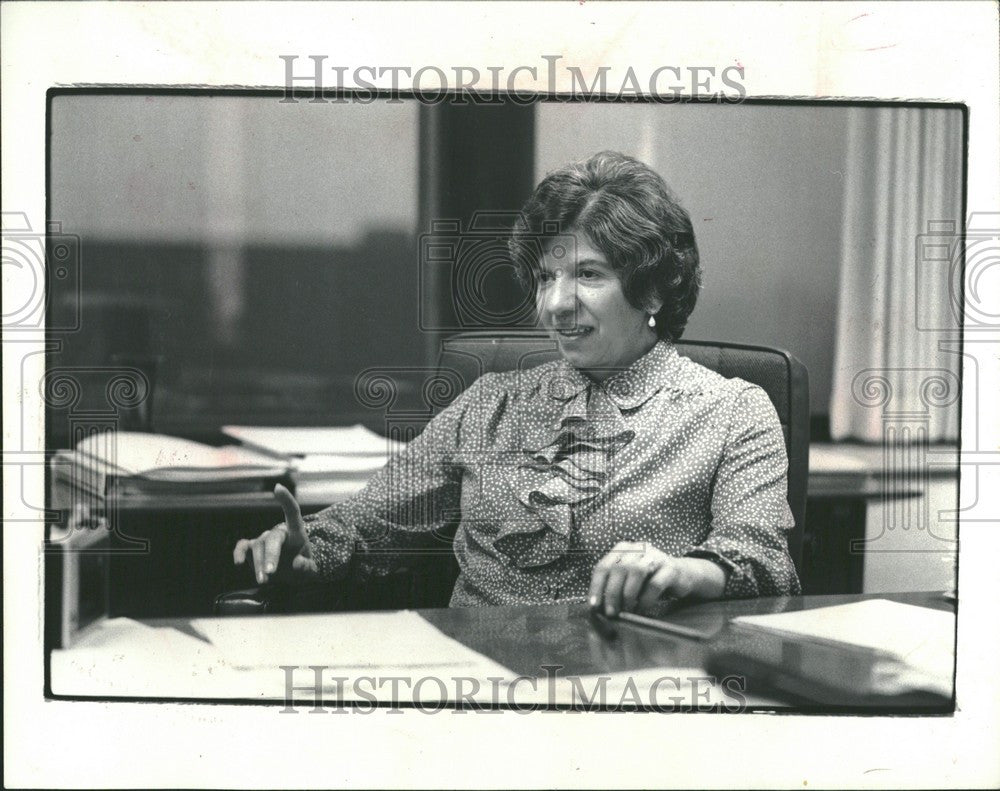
[(965, 260), (909, 400), (38, 269), (468, 275)]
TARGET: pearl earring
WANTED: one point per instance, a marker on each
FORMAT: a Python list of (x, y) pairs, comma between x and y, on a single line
[(652, 322)]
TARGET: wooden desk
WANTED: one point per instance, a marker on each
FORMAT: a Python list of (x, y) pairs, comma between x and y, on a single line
[(531, 641), (526, 638)]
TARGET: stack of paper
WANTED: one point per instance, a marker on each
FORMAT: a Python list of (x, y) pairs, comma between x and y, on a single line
[(311, 441), (139, 463)]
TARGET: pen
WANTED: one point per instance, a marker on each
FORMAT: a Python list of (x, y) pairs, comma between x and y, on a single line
[(662, 626)]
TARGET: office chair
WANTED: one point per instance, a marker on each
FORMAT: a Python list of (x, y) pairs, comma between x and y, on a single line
[(470, 355)]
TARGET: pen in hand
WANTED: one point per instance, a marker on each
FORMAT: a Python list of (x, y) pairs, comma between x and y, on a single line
[(606, 627)]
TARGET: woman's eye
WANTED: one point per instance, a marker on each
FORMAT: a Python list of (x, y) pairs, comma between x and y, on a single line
[(545, 277), (589, 274)]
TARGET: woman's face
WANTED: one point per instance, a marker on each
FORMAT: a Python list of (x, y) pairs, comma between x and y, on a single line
[(581, 303)]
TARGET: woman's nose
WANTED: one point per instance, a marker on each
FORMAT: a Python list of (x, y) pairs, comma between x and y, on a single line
[(560, 297)]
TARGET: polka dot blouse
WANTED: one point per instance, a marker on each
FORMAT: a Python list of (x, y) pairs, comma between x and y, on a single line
[(545, 470)]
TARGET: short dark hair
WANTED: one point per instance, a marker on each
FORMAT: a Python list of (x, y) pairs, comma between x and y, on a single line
[(630, 214)]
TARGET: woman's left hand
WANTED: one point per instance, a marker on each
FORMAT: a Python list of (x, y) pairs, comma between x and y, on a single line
[(635, 575)]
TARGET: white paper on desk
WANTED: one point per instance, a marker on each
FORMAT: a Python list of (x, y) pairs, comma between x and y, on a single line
[(834, 459), (120, 657), (366, 642), (320, 492), (125, 658), (305, 441), (329, 464), (920, 637)]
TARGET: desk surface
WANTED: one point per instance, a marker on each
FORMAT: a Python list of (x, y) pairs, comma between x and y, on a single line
[(526, 641)]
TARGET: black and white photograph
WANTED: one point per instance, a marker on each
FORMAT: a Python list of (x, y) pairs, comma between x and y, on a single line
[(499, 363), (630, 395)]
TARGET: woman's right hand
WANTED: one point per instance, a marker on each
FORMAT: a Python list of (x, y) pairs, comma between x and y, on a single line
[(282, 551)]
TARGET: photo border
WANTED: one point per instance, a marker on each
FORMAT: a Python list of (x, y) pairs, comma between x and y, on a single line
[(916, 751)]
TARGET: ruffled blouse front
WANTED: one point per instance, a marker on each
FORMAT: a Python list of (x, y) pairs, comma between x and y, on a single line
[(546, 470), (571, 470)]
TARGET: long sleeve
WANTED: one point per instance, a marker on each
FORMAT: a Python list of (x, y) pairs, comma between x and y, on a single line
[(750, 513), (404, 505)]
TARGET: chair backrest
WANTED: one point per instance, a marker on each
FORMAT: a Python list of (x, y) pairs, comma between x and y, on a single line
[(781, 375)]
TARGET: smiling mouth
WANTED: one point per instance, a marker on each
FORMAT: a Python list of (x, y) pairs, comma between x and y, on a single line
[(573, 332)]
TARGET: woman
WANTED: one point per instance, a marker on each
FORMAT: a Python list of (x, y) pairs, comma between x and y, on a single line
[(621, 474)]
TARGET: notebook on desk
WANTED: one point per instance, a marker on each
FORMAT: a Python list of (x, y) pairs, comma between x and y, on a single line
[(137, 464), (867, 653)]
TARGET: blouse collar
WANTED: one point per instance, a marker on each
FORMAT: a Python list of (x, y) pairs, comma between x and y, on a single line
[(628, 389)]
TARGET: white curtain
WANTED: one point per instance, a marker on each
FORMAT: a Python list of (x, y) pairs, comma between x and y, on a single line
[(897, 324)]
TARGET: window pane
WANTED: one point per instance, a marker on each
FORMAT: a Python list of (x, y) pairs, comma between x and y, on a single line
[(265, 251)]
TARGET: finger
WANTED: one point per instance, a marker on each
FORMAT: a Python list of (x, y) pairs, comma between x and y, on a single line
[(293, 514), (661, 581), (598, 579), (273, 541), (613, 591), (635, 577), (240, 551), (257, 548), (305, 565)]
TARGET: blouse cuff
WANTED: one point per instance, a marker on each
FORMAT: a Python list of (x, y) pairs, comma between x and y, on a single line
[(736, 581), (330, 543)]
